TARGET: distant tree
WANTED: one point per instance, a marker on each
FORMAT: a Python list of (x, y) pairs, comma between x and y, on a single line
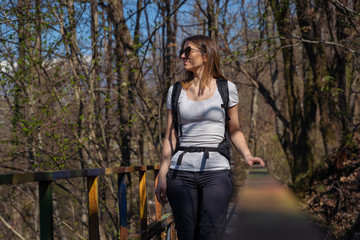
[(320, 86)]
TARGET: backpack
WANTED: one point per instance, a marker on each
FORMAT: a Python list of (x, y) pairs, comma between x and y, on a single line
[(224, 146)]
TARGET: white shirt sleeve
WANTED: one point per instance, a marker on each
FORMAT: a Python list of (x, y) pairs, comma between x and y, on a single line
[(168, 101), (233, 94)]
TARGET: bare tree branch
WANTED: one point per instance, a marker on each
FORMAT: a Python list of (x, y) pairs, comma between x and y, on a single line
[(11, 228), (265, 93)]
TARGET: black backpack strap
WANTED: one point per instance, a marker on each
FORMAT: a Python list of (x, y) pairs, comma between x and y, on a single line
[(175, 108), (224, 146), (224, 92)]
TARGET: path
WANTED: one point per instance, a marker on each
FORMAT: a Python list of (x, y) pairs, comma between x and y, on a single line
[(267, 210)]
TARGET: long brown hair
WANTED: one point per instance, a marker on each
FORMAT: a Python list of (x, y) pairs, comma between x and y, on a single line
[(212, 64)]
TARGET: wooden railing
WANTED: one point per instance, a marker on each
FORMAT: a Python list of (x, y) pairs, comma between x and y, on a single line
[(147, 230)]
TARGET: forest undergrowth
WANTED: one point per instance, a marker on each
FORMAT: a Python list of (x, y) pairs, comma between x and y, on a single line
[(332, 196)]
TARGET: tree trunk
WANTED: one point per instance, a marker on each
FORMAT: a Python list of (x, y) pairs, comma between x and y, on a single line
[(25, 96), (299, 145), (95, 100), (73, 51), (253, 123), (109, 85), (212, 14)]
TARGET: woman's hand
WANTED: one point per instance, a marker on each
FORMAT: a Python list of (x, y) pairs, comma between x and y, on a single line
[(160, 191), (250, 160)]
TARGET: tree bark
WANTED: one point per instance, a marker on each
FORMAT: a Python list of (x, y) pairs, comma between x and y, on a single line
[(253, 123), (74, 52), (212, 14), (299, 143)]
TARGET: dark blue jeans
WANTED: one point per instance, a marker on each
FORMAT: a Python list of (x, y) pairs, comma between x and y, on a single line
[(199, 202)]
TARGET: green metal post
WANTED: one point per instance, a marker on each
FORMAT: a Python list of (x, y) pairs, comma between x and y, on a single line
[(46, 211)]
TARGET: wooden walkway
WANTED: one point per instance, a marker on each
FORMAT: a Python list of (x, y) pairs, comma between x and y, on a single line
[(267, 210)]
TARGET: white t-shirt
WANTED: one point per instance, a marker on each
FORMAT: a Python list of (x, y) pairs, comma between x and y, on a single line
[(203, 125)]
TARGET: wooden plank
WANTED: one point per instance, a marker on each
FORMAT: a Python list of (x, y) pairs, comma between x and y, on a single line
[(95, 172), (266, 204), (11, 178), (21, 178), (157, 204), (167, 219), (6, 178), (143, 200), (122, 206), (16, 178), (169, 233), (46, 211), (154, 228), (157, 227), (173, 232), (93, 208), (124, 169), (262, 192), (140, 168), (153, 167)]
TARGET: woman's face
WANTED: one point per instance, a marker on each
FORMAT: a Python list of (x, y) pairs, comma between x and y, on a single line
[(194, 61)]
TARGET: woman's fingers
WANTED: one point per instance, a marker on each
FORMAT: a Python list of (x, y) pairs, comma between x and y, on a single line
[(256, 160), (161, 196), (259, 161), (158, 197)]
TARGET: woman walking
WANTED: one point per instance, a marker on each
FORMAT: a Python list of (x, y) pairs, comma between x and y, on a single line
[(195, 171)]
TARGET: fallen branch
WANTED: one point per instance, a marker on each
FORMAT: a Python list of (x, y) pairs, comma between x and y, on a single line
[(68, 226), (11, 228)]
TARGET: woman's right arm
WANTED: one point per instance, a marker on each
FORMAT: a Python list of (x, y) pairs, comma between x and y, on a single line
[(167, 151)]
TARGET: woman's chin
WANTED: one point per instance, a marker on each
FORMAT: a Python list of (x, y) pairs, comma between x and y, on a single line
[(188, 68)]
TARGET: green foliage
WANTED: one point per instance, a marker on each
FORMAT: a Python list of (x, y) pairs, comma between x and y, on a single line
[(328, 88)]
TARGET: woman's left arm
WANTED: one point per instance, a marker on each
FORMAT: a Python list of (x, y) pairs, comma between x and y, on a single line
[(238, 138)]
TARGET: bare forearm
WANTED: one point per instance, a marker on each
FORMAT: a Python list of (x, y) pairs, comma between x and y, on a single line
[(165, 158), (168, 147), (238, 139), (239, 142)]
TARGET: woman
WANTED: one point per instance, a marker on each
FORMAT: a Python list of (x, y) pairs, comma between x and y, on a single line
[(199, 188)]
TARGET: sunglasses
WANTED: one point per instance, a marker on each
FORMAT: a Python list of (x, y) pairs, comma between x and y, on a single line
[(187, 51)]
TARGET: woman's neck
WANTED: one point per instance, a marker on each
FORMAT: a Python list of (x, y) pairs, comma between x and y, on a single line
[(196, 81), (197, 75), (197, 78)]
